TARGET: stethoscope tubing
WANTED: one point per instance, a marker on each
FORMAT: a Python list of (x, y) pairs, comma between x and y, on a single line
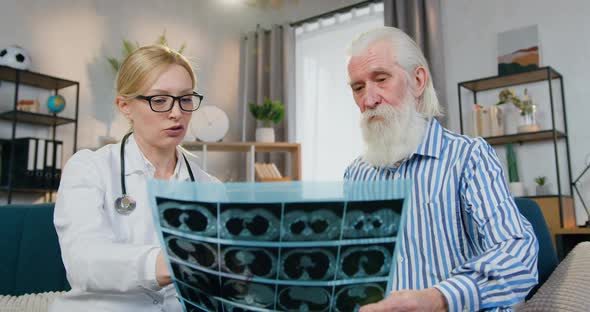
[(123, 185)]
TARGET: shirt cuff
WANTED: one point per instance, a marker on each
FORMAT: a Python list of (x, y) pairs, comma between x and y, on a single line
[(149, 270), (461, 293)]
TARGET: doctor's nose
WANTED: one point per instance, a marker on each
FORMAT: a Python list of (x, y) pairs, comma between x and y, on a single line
[(176, 111)]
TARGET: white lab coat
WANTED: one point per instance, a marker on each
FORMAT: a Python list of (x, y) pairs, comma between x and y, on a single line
[(110, 259)]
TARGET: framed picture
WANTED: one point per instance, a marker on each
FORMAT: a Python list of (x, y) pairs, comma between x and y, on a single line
[(518, 50)]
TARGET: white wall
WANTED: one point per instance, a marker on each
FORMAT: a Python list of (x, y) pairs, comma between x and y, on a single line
[(470, 37), (72, 38)]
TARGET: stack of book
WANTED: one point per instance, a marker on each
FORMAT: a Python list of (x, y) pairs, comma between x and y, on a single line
[(268, 173)]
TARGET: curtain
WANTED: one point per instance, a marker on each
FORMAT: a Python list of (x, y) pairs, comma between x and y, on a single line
[(327, 118), (263, 75), (421, 20)]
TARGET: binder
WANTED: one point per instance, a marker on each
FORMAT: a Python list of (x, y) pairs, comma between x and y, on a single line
[(58, 161), (51, 173), (4, 157), (23, 163), (40, 164), (29, 173)]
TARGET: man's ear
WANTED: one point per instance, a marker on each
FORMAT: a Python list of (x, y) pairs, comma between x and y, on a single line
[(420, 79), (124, 106)]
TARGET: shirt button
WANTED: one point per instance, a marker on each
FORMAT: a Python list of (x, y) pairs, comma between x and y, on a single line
[(400, 259), (397, 175)]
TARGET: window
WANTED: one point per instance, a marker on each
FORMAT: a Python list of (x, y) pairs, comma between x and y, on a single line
[(326, 117)]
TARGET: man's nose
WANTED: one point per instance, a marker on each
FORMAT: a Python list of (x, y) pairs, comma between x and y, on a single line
[(372, 98)]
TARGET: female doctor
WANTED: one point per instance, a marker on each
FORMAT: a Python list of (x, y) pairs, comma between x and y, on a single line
[(102, 215)]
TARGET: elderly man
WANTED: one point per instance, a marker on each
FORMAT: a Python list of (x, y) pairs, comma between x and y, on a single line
[(465, 246)]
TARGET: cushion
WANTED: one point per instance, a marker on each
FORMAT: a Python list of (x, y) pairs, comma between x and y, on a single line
[(568, 288), (28, 303)]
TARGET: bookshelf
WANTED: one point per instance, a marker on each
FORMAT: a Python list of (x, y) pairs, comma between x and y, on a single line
[(292, 149), (14, 177)]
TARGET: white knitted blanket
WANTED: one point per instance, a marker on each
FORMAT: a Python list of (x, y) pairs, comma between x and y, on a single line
[(568, 287), (28, 303)]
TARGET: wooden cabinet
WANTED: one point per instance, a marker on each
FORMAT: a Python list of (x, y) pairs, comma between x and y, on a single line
[(554, 215)]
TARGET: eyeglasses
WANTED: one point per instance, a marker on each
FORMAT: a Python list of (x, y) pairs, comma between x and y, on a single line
[(164, 103)]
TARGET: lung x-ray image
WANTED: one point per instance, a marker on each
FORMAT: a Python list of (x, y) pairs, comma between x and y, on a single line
[(285, 246)]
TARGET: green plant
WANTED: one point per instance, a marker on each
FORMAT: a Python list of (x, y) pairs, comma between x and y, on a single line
[(129, 47), (540, 180), (269, 112), (525, 106), (512, 166)]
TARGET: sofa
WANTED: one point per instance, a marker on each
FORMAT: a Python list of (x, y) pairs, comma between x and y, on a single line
[(31, 269), (33, 273)]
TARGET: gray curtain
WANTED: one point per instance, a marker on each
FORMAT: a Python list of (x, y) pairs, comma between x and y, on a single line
[(264, 74), (421, 20)]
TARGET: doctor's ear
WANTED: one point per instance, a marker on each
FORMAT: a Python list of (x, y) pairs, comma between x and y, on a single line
[(124, 106)]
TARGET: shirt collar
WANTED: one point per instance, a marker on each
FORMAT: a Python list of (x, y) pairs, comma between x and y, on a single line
[(432, 140), (135, 161)]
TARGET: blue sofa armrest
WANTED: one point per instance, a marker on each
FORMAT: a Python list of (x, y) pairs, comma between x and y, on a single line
[(30, 257)]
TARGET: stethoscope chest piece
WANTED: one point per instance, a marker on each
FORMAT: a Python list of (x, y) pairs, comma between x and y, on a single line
[(124, 205)]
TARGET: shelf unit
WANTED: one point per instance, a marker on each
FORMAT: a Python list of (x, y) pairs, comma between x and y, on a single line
[(558, 209), (293, 149), (14, 116)]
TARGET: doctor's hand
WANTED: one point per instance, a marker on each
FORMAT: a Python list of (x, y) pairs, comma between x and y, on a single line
[(409, 300), (162, 274)]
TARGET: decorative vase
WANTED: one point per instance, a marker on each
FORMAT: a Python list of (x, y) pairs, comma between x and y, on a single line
[(517, 189), (528, 120), (265, 135), (541, 190), (496, 116), (480, 121)]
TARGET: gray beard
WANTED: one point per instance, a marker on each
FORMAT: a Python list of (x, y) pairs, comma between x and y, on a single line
[(394, 138)]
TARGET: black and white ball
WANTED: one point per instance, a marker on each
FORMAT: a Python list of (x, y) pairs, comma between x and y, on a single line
[(15, 57)]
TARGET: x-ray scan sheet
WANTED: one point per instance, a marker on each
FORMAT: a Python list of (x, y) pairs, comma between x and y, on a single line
[(285, 246)]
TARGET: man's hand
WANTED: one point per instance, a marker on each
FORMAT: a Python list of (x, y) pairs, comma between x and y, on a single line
[(162, 273), (409, 300)]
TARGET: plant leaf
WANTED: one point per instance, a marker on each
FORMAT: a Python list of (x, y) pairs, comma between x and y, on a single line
[(114, 63), (182, 47), (162, 39), (128, 47)]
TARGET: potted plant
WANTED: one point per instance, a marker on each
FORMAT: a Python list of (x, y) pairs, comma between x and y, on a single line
[(541, 187), (516, 187), (268, 113)]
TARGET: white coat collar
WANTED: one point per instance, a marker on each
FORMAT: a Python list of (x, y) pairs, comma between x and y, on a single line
[(136, 162)]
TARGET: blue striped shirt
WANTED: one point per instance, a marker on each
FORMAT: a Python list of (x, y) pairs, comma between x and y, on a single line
[(464, 234)]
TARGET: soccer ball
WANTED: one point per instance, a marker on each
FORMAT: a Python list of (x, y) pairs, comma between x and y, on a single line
[(15, 57)]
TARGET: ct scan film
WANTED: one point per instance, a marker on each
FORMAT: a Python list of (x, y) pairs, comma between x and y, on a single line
[(284, 246)]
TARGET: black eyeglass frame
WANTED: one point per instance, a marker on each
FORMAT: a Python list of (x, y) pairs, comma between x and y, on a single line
[(174, 100)]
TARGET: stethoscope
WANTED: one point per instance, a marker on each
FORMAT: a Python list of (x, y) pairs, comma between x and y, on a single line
[(126, 204)]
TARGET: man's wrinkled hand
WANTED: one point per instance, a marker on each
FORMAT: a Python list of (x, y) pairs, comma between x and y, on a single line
[(409, 300)]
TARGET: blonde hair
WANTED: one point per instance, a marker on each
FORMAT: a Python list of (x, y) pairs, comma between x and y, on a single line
[(142, 68), (408, 56)]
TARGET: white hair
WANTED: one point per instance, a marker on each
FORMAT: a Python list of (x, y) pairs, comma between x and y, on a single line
[(408, 55)]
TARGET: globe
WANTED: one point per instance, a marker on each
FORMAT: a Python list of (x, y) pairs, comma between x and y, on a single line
[(56, 103)]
